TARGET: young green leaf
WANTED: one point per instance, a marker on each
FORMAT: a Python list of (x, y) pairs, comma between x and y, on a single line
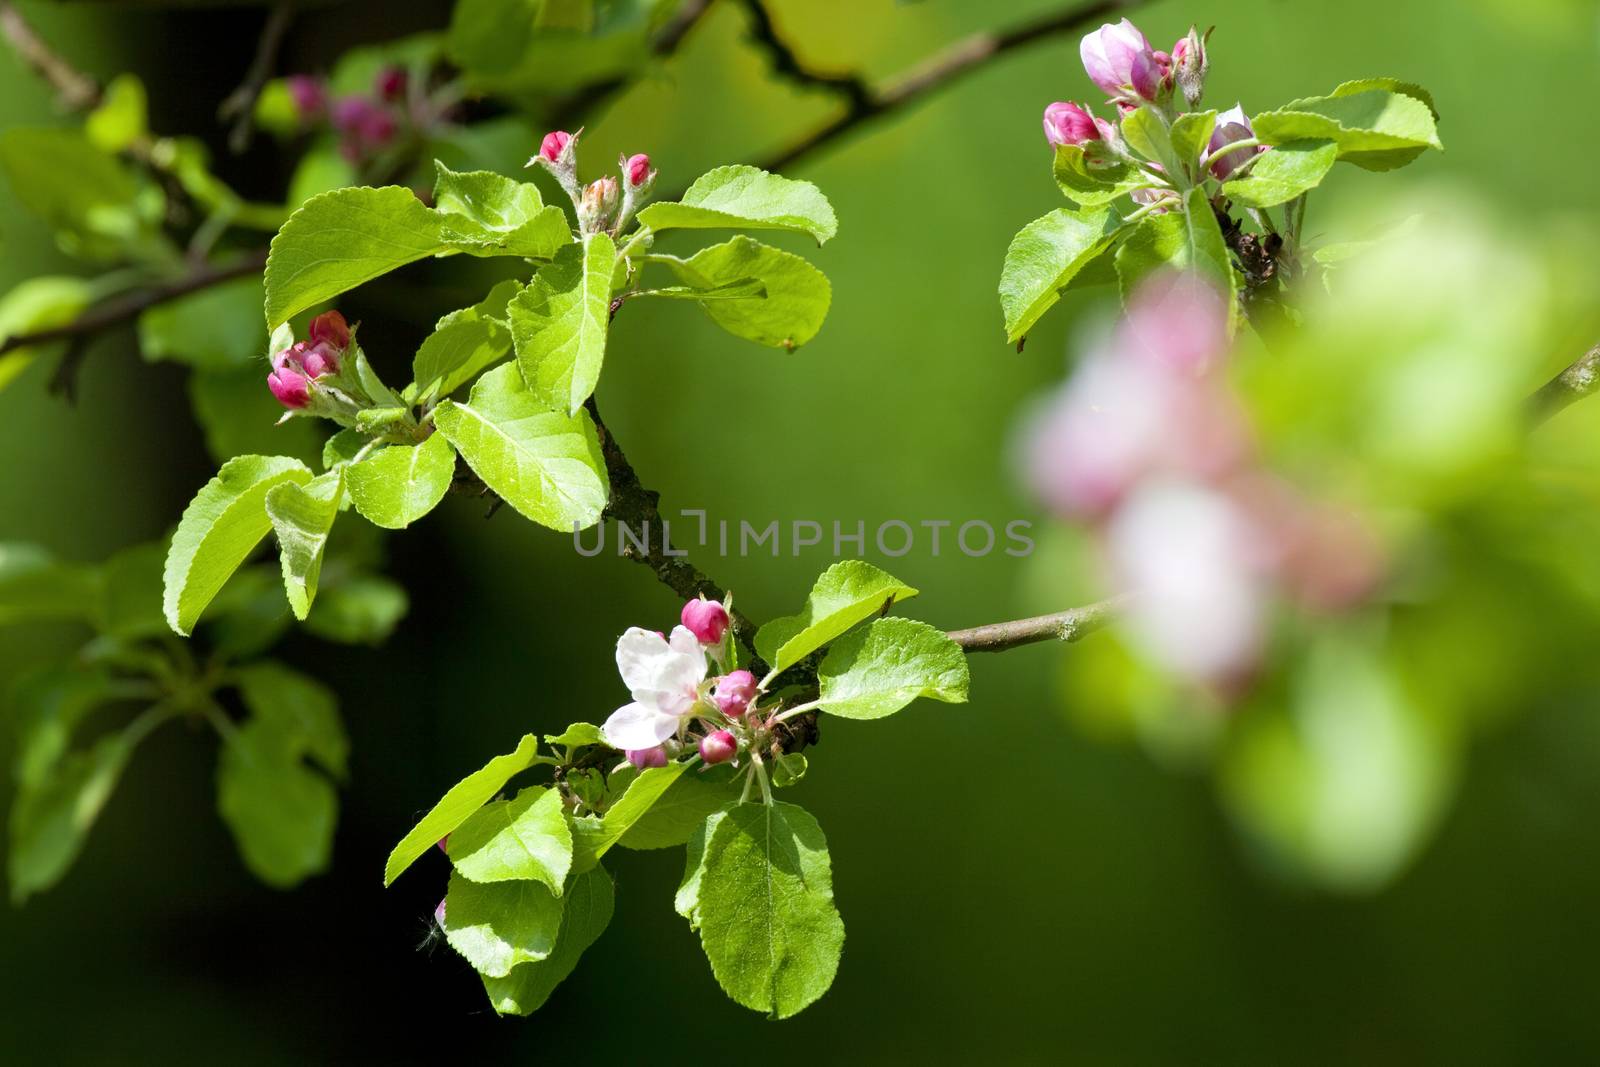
[(765, 904), (302, 517), (1191, 137), (846, 593), (1376, 129), (686, 901), (300, 708), (122, 116), (559, 323), (399, 484), (38, 304), (747, 198), (579, 733), (281, 812), (795, 295), (885, 665), (682, 809), (543, 463), (100, 208), (1188, 240), (218, 328), (635, 802), (1283, 174), (498, 925), (1045, 256), (587, 912), (462, 799), (510, 840), (464, 344), (489, 214), (220, 528), (131, 592), (1149, 136), (1095, 186), (343, 239), (47, 706)]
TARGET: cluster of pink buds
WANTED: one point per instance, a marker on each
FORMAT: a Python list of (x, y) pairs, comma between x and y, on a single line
[(296, 369), (605, 204), (367, 123), (1149, 444), (1118, 58)]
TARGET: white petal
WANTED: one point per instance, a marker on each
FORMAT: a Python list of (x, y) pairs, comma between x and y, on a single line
[(641, 655), (637, 726)]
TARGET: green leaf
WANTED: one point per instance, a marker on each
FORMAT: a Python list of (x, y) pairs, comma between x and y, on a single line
[(1095, 186), (51, 818), (38, 304), (122, 116), (559, 323), (686, 901), (1374, 128), (885, 665), (509, 840), (788, 769), (846, 593), (47, 706), (543, 463), (464, 344), (98, 207), (281, 812), (217, 328), (579, 733), (682, 809), (1393, 85), (1282, 174), (299, 708), (795, 296), (636, 800), (1045, 256), (746, 198), (131, 592), (1191, 137), (741, 289), (220, 528), (453, 809), (587, 912), (302, 518), (343, 239), (34, 585), (498, 925), (1188, 240), (497, 215), (361, 610), (399, 484), (767, 919), (1148, 135)]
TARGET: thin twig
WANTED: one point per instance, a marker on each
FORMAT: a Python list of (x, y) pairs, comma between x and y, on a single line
[(787, 65), (1062, 626), (125, 308), (75, 89), (1578, 380), (240, 105)]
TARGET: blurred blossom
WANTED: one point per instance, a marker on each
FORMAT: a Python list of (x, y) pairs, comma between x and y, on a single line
[(1179, 320), (1191, 559)]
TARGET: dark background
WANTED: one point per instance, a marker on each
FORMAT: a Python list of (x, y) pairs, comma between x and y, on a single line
[(1013, 891)]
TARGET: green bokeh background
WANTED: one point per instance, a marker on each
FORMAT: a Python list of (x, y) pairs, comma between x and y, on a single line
[(1013, 891)]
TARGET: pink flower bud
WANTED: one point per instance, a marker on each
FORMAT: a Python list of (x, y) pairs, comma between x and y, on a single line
[(718, 747), (331, 329), (1189, 66), (444, 844), (706, 619), (1066, 123), (319, 359), (637, 169), (1119, 60), (734, 693), (390, 83), (290, 387), (1232, 126), (645, 758), (309, 94), (438, 914), (554, 143)]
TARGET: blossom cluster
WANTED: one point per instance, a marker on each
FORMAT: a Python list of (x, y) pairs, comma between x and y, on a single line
[(366, 123), (605, 204), (1148, 444)]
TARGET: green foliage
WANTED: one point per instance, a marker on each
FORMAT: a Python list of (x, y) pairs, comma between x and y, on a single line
[(510, 840), (34, 585), (786, 313), (587, 912), (1191, 138), (40, 303), (845, 594), (1282, 174), (746, 198), (302, 517), (1374, 128), (1094, 186), (497, 216), (219, 530), (122, 119), (682, 809), (764, 902), (1187, 240), (1045, 256), (458, 804), (214, 329), (362, 609), (99, 208), (399, 484), (637, 799), (879, 669), (239, 416), (464, 344), (498, 925), (545, 464), (559, 324)]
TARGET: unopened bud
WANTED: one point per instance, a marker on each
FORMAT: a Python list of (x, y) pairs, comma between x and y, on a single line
[(637, 169), (719, 746), (330, 328), (444, 844), (598, 204), (1232, 127), (1189, 65), (291, 388), (554, 144), (735, 690), (309, 94), (1119, 59), (645, 758), (390, 84), (1066, 123), (706, 619)]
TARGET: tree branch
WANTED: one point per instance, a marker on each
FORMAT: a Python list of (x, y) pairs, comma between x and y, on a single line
[(240, 105), (1576, 381), (75, 89), (937, 72), (785, 64), (1062, 626)]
